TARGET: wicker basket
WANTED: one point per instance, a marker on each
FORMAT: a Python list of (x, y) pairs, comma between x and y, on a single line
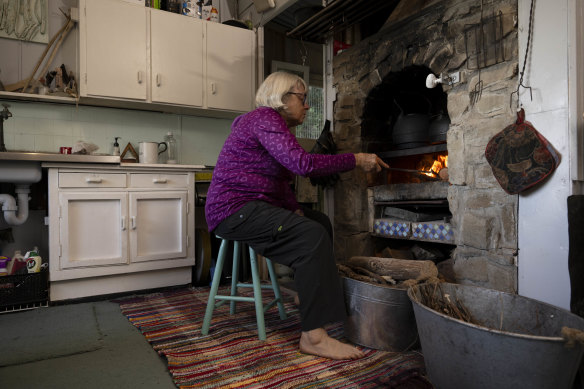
[(24, 288)]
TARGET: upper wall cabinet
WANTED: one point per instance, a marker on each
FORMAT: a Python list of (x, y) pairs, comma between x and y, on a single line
[(177, 59), (152, 59), (113, 50), (230, 67)]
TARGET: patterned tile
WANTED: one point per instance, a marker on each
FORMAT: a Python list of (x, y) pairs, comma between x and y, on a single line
[(433, 231), (392, 228)]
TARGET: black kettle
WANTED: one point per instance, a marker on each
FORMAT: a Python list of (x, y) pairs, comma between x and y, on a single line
[(438, 128), (411, 129)]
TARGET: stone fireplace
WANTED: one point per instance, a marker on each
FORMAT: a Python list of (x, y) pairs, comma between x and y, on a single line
[(383, 76)]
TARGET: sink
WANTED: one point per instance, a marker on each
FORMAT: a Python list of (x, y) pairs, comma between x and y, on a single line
[(20, 172), (56, 157)]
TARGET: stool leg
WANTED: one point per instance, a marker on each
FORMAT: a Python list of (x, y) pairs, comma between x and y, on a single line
[(276, 288), (257, 292), (234, 275), (214, 286)]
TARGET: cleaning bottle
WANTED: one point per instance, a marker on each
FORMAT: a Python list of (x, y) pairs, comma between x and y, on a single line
[(116, 146), (171, 149), (4, 265), (18, 262), (33, 261)]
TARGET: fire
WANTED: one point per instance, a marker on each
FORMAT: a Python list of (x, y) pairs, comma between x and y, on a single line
[(433, 166)]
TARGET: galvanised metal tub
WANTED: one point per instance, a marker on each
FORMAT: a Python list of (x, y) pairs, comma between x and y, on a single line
[(517, 342), (379, 317)]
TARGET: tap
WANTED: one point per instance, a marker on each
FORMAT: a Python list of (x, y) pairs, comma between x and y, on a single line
[(4, 114)]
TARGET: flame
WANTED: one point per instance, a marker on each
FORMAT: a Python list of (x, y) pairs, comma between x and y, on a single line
[(438, 164)]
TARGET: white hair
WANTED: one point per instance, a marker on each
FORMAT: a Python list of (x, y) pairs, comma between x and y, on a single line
[(275, 86)]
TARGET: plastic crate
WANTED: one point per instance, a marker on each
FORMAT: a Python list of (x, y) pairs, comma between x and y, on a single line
[(24, 288)]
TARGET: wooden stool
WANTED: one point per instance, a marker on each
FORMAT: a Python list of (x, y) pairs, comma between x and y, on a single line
[(233, 297)]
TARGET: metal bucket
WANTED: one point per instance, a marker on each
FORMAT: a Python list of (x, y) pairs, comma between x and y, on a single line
[(517, 344), (379, 317)]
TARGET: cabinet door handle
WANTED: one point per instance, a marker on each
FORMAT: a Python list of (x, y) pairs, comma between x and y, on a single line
[(139, 76), (123, 223), (213, 88), (158, 79), (133, 219), (93, 180), (159, 180)]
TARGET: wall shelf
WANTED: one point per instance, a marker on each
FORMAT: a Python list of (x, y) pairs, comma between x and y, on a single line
[(414, 151), (117, 103)]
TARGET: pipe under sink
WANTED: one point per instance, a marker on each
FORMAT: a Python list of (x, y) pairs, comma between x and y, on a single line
[(22, 174)]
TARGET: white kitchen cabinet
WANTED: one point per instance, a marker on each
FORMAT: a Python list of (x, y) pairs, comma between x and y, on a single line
[(95, 228), (111, 222), (92, 229), (135, 54), (177, 59), (113, 56), (158, 225), (230, 67)]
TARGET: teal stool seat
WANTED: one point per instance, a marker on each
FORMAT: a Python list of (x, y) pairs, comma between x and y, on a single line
[(233, 297)]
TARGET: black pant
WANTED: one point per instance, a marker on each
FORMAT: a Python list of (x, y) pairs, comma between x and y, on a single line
[(303, 243)]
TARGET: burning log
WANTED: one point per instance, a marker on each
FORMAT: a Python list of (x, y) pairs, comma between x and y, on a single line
[(398, 269), (443, 174)]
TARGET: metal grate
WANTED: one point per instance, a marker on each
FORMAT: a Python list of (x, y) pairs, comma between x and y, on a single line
[(483, 43), (337, 16)]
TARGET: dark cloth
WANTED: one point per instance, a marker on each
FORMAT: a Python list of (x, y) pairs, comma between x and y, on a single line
[(576, 253), (303, 243)]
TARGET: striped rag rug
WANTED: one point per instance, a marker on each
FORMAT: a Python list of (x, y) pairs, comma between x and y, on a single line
[(232, 356)]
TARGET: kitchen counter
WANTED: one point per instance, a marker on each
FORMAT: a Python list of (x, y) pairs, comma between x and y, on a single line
[(56, 157), (65, 160), (162, 166), (126, 166)]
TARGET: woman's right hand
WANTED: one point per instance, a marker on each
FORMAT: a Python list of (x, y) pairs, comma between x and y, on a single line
[(370, 162)]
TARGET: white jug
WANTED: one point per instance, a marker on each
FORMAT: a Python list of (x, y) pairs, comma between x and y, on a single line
[(149, 151)]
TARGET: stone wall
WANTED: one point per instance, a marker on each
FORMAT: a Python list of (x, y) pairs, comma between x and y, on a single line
[(484, 216)]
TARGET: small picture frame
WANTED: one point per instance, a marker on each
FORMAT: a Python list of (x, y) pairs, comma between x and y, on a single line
[(133, 157)]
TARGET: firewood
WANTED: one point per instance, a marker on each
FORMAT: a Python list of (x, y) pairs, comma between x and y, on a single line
[(389, 279), (349, 273), (378, 278), (398, 269)]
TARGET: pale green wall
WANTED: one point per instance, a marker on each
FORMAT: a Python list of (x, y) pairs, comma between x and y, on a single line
[(46, 127)]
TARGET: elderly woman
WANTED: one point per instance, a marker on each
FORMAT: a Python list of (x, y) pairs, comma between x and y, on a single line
[(250, 200)]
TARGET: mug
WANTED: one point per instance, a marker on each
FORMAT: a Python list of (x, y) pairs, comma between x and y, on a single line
[(149, 151), (65, 150)]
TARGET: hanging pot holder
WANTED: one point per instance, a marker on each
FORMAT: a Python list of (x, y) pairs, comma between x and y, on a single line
[(520, 156)]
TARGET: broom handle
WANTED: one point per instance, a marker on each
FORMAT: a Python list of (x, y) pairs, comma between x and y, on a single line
[(44, 54), (70, 24)]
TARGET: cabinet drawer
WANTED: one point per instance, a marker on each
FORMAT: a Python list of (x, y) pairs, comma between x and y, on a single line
[(158, 180), (92, 180)]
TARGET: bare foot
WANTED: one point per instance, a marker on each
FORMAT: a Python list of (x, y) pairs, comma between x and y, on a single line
[(317, 342), (296, 300)]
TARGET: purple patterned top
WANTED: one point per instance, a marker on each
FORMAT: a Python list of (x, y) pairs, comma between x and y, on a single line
[(258, 160)]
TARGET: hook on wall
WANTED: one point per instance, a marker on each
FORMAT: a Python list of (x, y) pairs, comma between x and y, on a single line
[(517, 92)]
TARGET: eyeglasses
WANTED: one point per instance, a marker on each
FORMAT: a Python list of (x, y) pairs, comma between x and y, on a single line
[(303, 96)]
